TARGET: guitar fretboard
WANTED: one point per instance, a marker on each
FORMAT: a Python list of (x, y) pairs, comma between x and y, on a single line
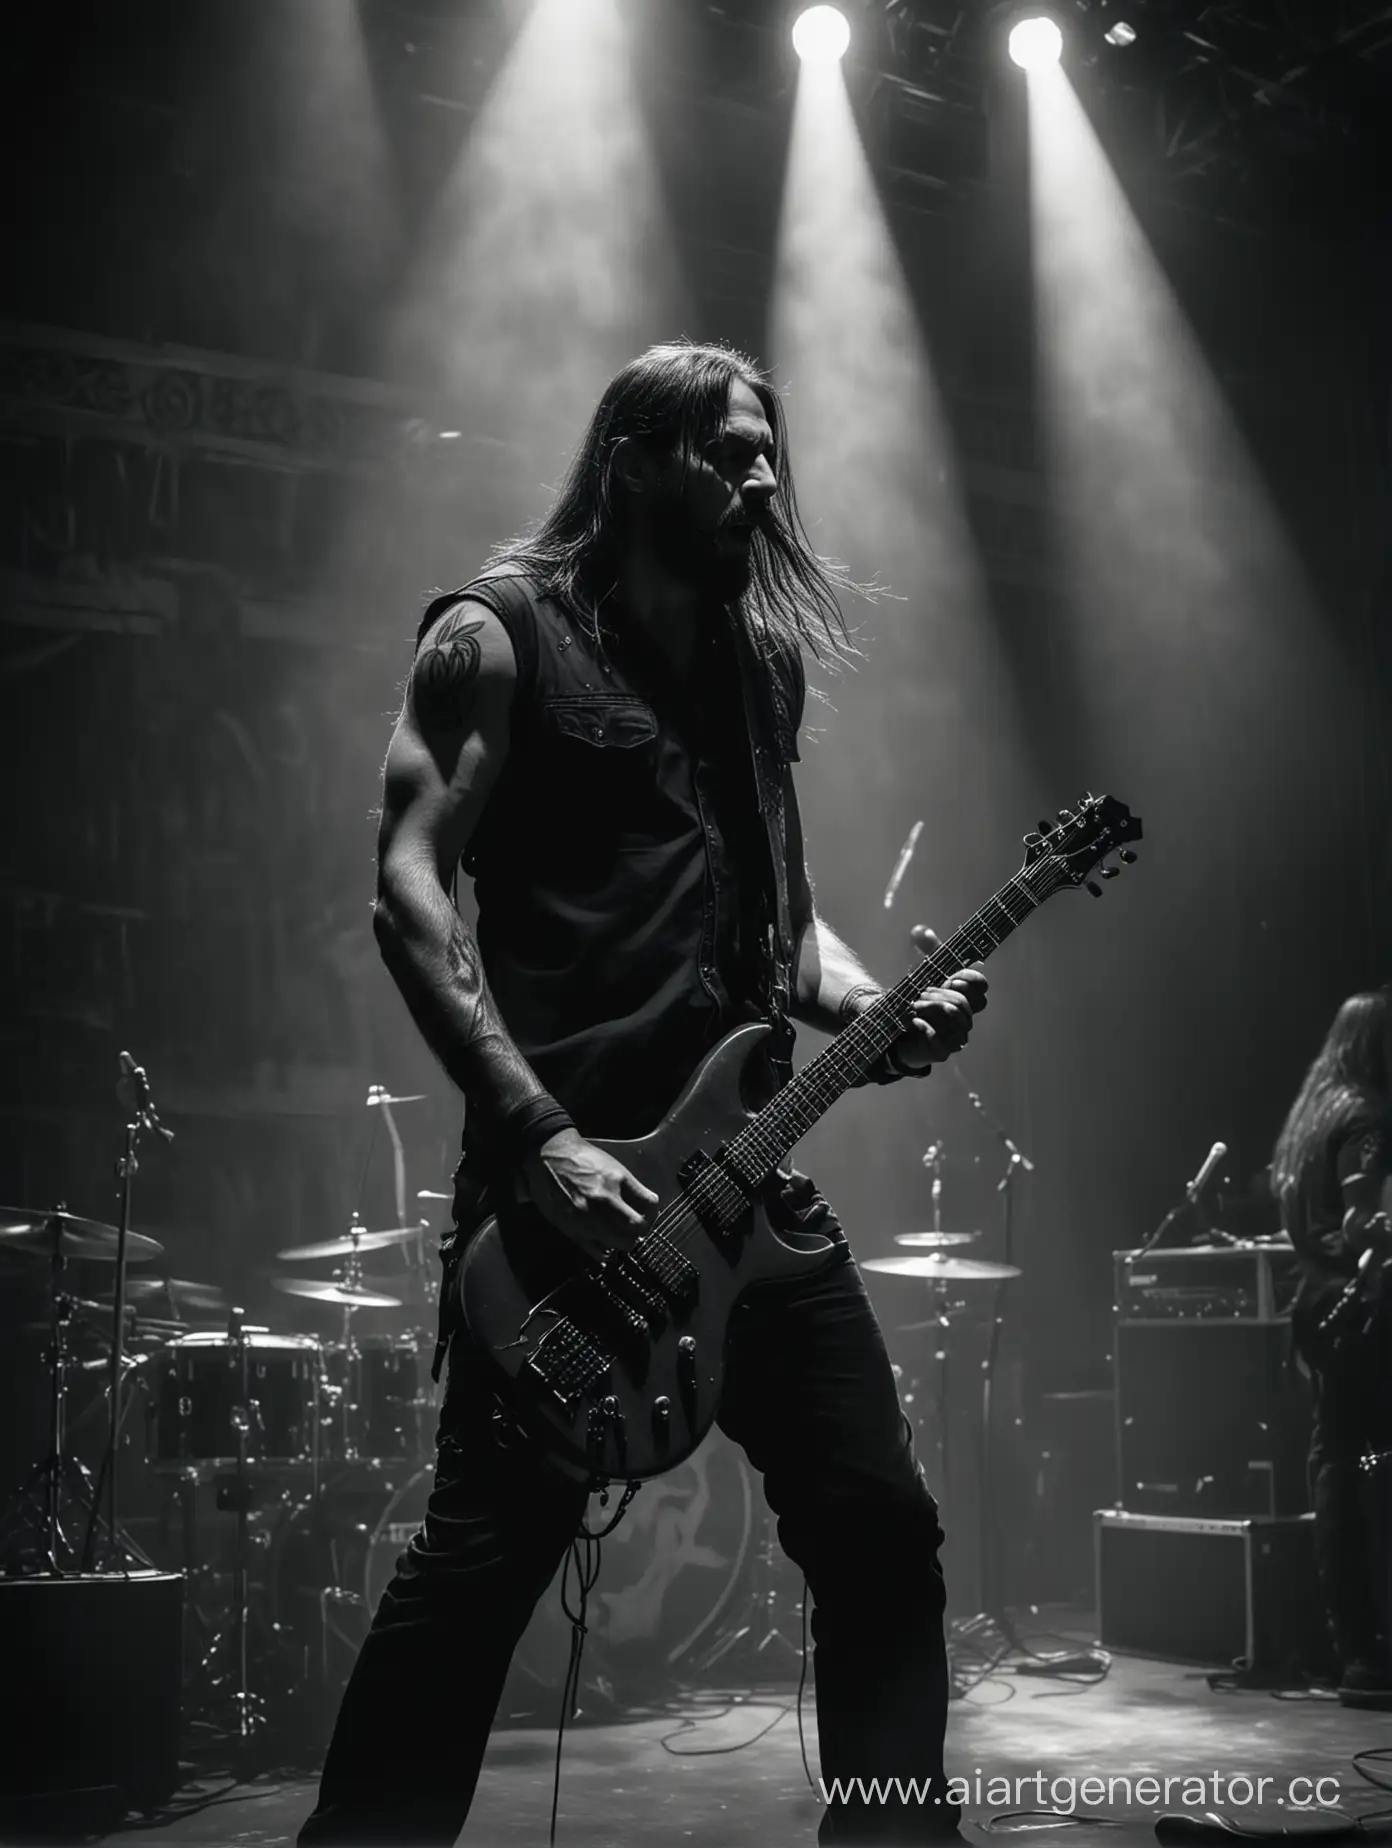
[(783, 1122)]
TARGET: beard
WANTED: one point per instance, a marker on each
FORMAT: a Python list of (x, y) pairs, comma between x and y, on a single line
[(706, 561)]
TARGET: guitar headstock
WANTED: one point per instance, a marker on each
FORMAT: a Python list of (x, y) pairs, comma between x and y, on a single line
[(1070, 850)]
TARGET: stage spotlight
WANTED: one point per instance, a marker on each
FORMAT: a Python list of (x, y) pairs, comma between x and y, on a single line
[(1121, 34), (1035, 43), (821, 35)]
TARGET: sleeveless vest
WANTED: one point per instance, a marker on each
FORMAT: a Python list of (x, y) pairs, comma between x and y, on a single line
[(631, 875)]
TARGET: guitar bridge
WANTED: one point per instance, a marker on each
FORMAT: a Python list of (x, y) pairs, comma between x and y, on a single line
[(566, 1362)]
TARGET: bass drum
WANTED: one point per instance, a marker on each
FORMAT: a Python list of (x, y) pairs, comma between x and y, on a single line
[(671, 1570)]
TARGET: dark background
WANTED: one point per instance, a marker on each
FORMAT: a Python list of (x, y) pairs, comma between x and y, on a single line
[(223, 504)]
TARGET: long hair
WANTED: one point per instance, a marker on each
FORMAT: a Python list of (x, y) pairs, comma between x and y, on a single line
[(1347, 1083), (676, 396)]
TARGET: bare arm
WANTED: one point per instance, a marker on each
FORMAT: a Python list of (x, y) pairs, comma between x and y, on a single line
[(449, 745), (831, 985), (827, 973)]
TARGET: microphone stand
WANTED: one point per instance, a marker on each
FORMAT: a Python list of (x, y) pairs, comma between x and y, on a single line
[(1192, 1202), (989, 1561), (143, 1117)]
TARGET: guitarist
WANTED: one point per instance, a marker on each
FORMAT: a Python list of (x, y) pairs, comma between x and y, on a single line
[(1332, 1172), (601, 729)]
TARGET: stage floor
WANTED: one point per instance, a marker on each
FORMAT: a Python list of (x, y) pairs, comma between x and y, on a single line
[(677, 1780)]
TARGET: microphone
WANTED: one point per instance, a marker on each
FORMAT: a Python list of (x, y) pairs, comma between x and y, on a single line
[(1210, 1162), (134, 1082), (133, 1091), (901, 865)]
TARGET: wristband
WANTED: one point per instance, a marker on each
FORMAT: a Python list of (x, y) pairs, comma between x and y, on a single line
[(847, 1012), (529, 1128)]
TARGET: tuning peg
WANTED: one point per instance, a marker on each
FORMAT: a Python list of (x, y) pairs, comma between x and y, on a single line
[(1109, 872), (1065, 815), (1046, 827), (1127, 857), (1094, 888), (1033, 840)]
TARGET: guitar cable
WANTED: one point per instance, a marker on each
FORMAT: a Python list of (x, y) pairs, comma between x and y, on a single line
[(584, 1558)]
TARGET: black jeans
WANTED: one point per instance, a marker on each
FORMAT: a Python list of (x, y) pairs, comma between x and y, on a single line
[(811, 1397), (1349, 1493)]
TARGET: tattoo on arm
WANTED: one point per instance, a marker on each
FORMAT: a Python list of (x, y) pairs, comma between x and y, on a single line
[(445, 669)]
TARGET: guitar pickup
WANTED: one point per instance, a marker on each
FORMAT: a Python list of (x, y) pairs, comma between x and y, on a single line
[(618, 1322), (703, 1180), (625, 1276), (675, 1276), (633, 1319)]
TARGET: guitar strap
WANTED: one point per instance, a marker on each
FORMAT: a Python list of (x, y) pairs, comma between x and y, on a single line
[(758, 685)]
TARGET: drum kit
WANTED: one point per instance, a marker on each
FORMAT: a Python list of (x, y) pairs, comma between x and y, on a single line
[(320, 1448), (962, 1293), (302, 1439)]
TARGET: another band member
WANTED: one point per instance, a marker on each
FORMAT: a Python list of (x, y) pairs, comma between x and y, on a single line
[(602, 729), (1331, 1167)]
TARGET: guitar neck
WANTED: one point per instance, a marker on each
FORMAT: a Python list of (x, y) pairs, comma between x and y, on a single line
[(758, 1149)]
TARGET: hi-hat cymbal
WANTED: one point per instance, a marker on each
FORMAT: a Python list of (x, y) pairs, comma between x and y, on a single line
[(28, 1228), (933, 1241), (352, 1242), (935, 1265), (349, 1295)]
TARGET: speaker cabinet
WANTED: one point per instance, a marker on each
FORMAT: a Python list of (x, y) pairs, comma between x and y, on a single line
[(1215, 1592), (1213, 1420), (95, 1665)]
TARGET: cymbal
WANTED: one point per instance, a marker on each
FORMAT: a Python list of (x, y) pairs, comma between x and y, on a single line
[(378, 1096), (26, 1228), (412, 1283), (356, 1241), (349, 1295), (936, 1264), (184, 1292), (933, 1241), (429, 1193)]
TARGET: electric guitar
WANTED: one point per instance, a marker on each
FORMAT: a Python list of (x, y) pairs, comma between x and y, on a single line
[(614, 1367)]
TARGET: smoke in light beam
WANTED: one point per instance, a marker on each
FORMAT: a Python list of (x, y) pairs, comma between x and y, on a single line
[(1198, 644), (335, 188), (1161, 503), (546, 262), (875, 452), (878, 482)]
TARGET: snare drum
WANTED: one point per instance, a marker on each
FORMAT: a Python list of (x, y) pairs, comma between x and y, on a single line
[(209, 1386), (377, 1401)]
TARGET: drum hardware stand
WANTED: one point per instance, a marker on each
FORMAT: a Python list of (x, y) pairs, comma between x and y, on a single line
[(753, 1630), (39, 1499), (234, 1638)]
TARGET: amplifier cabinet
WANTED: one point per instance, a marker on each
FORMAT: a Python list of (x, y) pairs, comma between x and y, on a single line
[(1250, 1282), (1213, 1420), (95, 1662), (1212, 1592)]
